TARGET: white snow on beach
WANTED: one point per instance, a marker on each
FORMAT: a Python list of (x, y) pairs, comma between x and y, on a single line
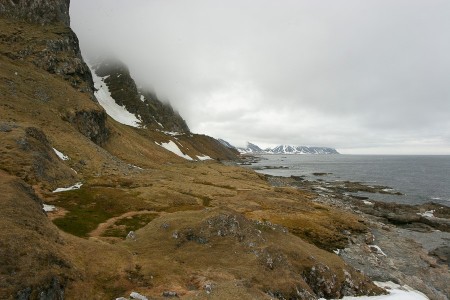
[(61, 155), (427, 214), (48, 207), (76, 186), (172, 147), (115, 111), (396, 292)]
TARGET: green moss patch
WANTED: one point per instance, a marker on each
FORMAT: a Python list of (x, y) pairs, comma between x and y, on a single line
[(125, 225), (88, 207)]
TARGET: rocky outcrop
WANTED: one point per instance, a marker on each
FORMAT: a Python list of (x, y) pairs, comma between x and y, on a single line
[(91, 123), (53, 46), (145, 105), (27, 153), (266, 256), (42, 12)]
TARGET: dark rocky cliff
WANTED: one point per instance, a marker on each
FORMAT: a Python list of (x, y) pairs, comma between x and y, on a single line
[(38, 33), (144, 104), (42, 12), (53, 46)]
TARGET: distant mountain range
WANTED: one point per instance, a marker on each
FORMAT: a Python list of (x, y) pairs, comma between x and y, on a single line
[(281, 149)]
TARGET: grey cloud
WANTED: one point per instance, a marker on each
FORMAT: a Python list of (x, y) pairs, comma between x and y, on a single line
[(356, 75)]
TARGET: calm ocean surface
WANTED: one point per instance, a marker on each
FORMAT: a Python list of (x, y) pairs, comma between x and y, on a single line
[(421, 178)]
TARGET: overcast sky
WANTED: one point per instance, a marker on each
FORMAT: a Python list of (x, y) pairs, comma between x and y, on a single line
[(368, 76)]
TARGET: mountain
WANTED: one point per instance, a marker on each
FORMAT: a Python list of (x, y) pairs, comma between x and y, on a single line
[(251, 148), (112, 77), (290, 149), (226, 144), (286, 149), (100, 201)]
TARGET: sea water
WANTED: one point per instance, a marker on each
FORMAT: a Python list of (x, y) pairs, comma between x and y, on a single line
[(420, 178)]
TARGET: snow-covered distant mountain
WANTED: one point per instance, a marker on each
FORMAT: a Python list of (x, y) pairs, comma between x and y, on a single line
[(226, 144), (286, 149), (290, 149), (251, 149)]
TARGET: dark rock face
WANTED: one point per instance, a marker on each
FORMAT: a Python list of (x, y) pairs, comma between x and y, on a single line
[(144, 104), (38, 11), (92, 124), (53, 46)]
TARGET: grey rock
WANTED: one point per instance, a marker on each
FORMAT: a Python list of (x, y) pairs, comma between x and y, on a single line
[(135, 295), (131, 236), (170, 294)]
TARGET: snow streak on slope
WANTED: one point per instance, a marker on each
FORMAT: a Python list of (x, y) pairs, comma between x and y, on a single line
[(61, 155), (76, 186), (115, 111), (172, 147), (203, 157)]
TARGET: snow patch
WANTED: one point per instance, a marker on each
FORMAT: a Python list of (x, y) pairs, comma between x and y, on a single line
[(61, 155), (171, 133), (172, 147), (427, 214), (377, 250), (142, 98), (48, 208), (368, 202), (396, 292), (76, 186), (115, 111), (134, 166), (203, 157), (137, 296)]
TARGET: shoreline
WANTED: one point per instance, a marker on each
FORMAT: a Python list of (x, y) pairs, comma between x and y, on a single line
[(404, 244), (419, 182)]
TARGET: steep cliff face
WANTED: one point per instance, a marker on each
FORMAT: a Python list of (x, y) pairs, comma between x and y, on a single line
[(52, 46), (38, 33), (42, 12), (145, 105)]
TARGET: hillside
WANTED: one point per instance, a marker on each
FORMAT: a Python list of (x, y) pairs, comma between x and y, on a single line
[(200, 229)]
